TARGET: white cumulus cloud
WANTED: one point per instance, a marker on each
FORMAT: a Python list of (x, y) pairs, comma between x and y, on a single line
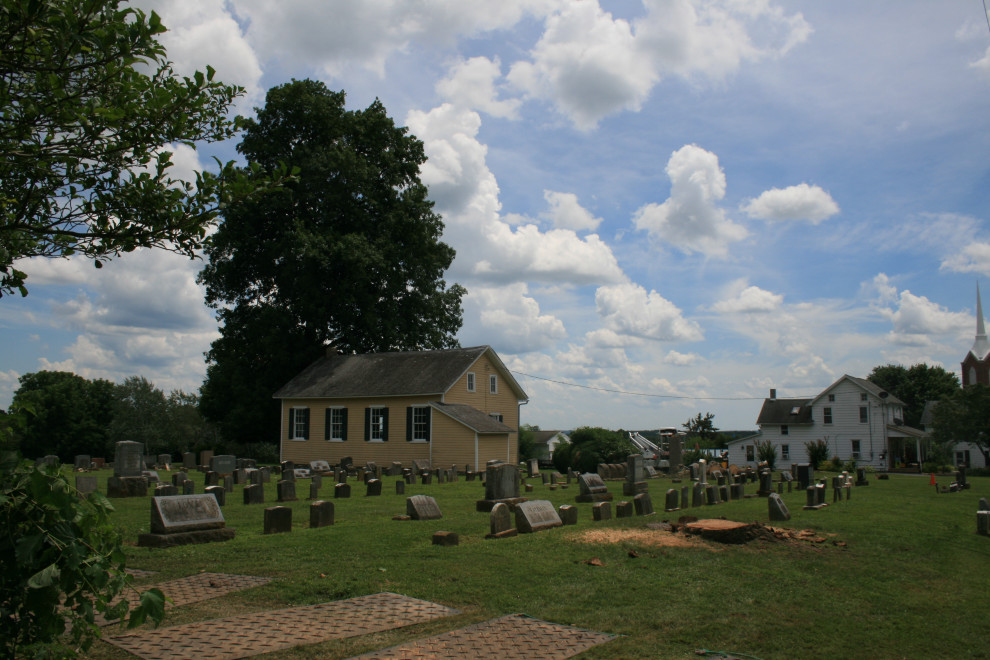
[(566, 212), (471, 84), (751, 300), (973, 258), (628, 309), (800, 202), (691, 218)]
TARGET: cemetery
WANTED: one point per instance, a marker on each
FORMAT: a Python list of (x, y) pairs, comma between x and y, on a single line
[(580, 566)]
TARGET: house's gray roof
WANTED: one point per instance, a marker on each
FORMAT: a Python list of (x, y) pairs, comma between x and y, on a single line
[(387, 374), (543, 437), (785, 411), (472, 418)]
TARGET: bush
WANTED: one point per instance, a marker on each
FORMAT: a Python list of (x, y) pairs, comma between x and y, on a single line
[(61, 562), (766, 452), (929, 466), (817, 452), (850, 465), (591, 446)]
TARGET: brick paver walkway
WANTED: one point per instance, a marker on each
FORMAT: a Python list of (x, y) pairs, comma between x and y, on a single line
[(511, 637), (195, 588), (262, 632)]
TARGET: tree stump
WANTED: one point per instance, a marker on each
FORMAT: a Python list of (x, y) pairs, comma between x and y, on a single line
[(722, 531)]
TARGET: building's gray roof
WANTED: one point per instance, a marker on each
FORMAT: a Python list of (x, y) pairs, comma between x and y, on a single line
[(387, 374), (543, 437), (472, 418), (785, 411)]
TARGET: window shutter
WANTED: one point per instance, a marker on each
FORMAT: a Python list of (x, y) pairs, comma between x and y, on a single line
[(409, 423), (429, 423), (292, 422), (326, 424), (367, 424), (385, 425), (343, 424)]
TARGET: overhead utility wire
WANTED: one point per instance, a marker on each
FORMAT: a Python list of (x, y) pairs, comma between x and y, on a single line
[(656, 396)]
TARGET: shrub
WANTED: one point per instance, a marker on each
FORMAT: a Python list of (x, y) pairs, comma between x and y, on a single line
[(766, 452), (61, 562), (850, 465), (817, 452), (929, 466)]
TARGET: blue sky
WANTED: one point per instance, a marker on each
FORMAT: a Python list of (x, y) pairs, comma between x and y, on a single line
[(689, 201)]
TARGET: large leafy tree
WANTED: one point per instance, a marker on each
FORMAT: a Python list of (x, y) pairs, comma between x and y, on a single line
[(69, 414), (702, 429), (964, 416), (90, 105), (348, 254), (915, 386)]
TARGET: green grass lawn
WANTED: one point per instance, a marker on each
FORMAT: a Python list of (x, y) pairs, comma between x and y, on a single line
[(902, 573)]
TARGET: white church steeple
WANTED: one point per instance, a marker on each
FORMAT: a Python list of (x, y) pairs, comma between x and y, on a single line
[(981, 347)]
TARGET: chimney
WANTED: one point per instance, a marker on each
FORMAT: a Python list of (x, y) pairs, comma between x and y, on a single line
[(773, 394)]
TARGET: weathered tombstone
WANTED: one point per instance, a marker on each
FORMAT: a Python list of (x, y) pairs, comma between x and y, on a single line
[(805, 475), (255, 476), (568, 514), (188, 487), (400, 487), (685, 496), (128, 465), (421, 466), (711, 495), (534, 467), (212, 478), (82, 462), (299, 473), (319, 467), (342, 490), (422, 507), (219, 494), (736, 491), (286, 491), (346, 463), (861, 479), (253, 494), (535, 516), (320, 514), (982, 505), (820, 492), (624, 510), (184, 519), (228, 483), (85, 485), (164, 460), (314, 490), (500, 522), (766, 484), (224, 464), (278, 519), (635, 476), (205, 457), (675, 450), (373, 487), (697, 494), (178, 478), (239, 475), (723, 493), (501, 485), (395, 469), (671, 502), (545, 478), (446, 538), (811, 502), (601, 511), (591, 488), (266, 475), (188, 460), (643, 504), (426, 479), (983, 522), (778, 510), (151, 476)]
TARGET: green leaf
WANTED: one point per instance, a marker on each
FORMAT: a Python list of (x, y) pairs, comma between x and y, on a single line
[(46, 577)]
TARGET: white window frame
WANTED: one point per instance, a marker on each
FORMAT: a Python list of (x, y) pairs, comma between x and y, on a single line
[(497, 416), (298, 426), (827, 415), (785, 452), (855, 444), (334, 410), (492, 384), (470, 381), (864, 415), (377, 416), (421, 428), (784, 430)]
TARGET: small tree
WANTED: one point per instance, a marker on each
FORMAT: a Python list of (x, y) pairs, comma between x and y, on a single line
[(817, 452), (61, 563), (766, 451)]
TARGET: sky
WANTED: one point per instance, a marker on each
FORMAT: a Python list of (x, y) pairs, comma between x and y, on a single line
[(659, 208)]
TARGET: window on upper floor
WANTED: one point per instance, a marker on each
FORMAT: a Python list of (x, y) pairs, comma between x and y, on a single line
[(863, 396), (831, 398), (827, 415), (784, 430), (493, 384), (864, 415), (470, 382)]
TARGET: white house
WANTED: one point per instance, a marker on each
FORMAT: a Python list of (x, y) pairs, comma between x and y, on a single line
[(857, 419), (545, 442)]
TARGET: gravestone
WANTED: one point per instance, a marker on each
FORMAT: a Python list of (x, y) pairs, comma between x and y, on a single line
[(861, 479), (320, 514), (212, 478), (188, 487), (644, 504), (983, 522), (205, 457), (778, 510), (635, 476), (982, 505), (766, 484), (314, 490), (257, 477), (219, 494), (223, 464), (286, 491), (426, 478), (568, 514), (395, 470), (697, 494), (592, 488), (400, 487), (500, 522), (535, 516), (624, 509), (671, 502), (601, 511), (151, 476), (178, 478), (443, 538), (422, 507), (253, 494), (675, 450), (319, 467), (278, 519), (228, 483), (342, 490), (85, 485), (188, 460), (239, 475), (501, 485), (805, 475), (128, 465), (711, 495), (534, 468), (164, 460), (420, 467), (685, 496), (373, 487), (185, 519), (82, 462)]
